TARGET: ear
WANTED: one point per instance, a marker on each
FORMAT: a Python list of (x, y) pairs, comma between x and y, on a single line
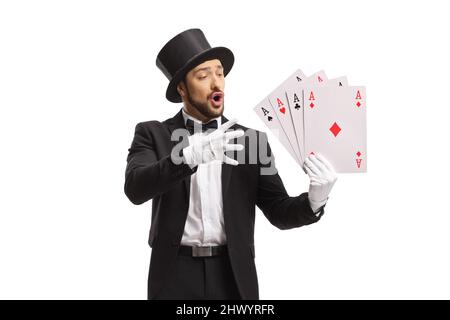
[(181, 88)]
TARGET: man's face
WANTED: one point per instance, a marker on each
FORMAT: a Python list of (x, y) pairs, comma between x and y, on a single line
[(203, 90)]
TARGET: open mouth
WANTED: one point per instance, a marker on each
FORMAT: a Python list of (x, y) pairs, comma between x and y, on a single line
[(216, 99)]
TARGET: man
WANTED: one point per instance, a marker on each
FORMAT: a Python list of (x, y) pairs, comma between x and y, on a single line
[(204, 198)]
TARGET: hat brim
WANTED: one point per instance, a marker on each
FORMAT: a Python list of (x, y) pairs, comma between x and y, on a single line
[(225, 56)]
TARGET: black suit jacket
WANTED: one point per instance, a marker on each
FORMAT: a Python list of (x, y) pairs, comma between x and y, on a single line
[(152, 174)]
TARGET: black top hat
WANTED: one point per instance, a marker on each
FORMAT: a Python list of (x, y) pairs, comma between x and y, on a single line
[(183, 53)]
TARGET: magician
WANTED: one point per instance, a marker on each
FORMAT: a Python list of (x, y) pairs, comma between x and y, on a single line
[(204, 199)]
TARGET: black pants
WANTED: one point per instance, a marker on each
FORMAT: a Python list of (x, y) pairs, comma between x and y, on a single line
[(200, 278)]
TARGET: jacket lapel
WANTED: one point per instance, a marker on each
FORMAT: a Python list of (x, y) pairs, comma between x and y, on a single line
[(226, 174), (177, 122)]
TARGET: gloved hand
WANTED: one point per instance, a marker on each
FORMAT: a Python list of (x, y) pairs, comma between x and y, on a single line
[(322, 178), (204, 147)]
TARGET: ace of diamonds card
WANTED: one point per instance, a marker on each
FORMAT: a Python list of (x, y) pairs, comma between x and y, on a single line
[(335, 126)]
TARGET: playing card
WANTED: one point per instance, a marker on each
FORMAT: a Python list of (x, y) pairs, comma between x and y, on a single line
[(265, 113), (280, 106), (335, 125), (295, 102), (340, 82), (317, 78)]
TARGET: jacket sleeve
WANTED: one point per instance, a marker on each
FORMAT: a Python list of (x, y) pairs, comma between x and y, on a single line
[(280, 209), (146, 176)]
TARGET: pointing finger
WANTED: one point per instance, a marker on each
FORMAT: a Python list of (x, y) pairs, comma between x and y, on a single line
[(233, 147), (233, 134), (227, 125)]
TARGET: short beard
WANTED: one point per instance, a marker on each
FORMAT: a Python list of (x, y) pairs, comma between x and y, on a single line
[(203, 108)]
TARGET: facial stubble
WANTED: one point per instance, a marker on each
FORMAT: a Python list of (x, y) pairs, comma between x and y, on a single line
[(203, 108)]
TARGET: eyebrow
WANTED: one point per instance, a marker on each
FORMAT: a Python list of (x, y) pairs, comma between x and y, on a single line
[(208, 68)]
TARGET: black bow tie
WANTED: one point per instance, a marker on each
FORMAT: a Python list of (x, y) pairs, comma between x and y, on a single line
[(205, 126)]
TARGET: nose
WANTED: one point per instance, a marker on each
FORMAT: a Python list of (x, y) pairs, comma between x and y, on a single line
[(215, 82)]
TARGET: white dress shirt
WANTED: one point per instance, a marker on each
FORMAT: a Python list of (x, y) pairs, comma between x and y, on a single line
[(204, 223)]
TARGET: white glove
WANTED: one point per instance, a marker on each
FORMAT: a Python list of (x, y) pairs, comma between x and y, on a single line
[(204, 147), (322, 178)]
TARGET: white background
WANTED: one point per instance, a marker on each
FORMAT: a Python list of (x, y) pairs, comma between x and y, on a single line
[(76, 77)]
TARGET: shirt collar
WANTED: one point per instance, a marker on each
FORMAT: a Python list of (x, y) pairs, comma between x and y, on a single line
[(187, 116)]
